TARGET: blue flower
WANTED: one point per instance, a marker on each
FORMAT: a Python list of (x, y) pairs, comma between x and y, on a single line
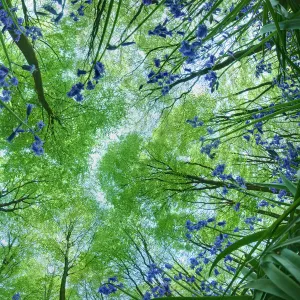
[(216, 272), (237, 206), (5, 96), (37, 146), (240, 181), (16, 296), (263, 203), (3, 72), (90, 86), (28, 110), (222, 223), (201, 31), (218, 170), (157, 62), (14, 81), (80, 72), (99, 70), (76, 90), (147, 2), (195, 122), (168, 266), (147, 296), (40, 125), (161, 31)]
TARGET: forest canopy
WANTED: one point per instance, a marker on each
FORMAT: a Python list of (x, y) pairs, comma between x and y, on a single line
[(149, 149)]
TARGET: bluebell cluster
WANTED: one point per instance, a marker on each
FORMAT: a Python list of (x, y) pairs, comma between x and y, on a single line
[(153, 271), (79, 12), (251, 221), (110, 287), (37, 145), (190, 50), (8, 24), (263, 67), (160, 30), (195, 122), (206, 149), (77, 89), (176, 8), (163, 79)]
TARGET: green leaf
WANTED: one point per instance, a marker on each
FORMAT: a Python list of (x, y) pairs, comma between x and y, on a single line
[(243, 242), (291, 187), (267, 286), (282, 281), (295, 240), (284, 25), (290, 261)]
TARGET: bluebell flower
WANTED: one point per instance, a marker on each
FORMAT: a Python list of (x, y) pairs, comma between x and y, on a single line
[(40, 125), (218, 170), (81, 72), (29, 108), (14, 81), (80, 10), (90, 86), (107, 289), (246, 137), (147, 2), (224, 190), (176, 7), (76, 91), (195, 122), (209, 220), (3, 72), (194, 262), (201, 31), (147, 296), (236, 229), (206, 260), (33, 32), (6, 96), (161, 31), (263, 203), (240, 181), (237, 206), (165, 90), (37, 146), (99, 70), (157, 62), (222, 223), (16, 296), (74, 17), (216, 272), (198, 271), (168, 266)]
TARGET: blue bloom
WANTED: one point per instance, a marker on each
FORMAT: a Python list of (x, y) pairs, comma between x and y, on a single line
[(161, 31), (6, 96), (3, 72), (28, 110), (237, 206), (14, 81), (241, 182), (147, 2), (189, 50), (168, 266), (263, 203), (216, 272), (16, 296), (195, 122), (107, 289), (175, 7), (201, 31), (147, 296), (40, 125), (222, 223), (90, 86), (218, 170), (209, 220), (37, 146), (80, 72), (99, 70), (157, 62), (236, 229), (76, 91), (165, 90)]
